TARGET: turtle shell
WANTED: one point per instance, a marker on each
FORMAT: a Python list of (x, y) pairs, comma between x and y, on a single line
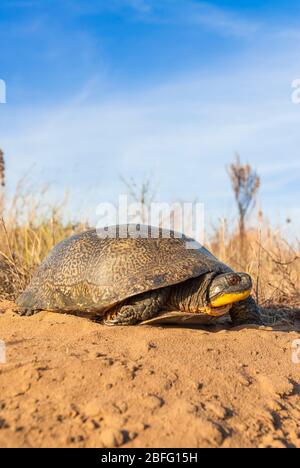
[(93, 271)]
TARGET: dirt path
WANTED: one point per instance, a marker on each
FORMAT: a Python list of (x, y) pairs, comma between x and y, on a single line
[(70, 382)]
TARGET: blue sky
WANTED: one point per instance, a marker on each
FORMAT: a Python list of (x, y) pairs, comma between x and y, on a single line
[(170, 88)]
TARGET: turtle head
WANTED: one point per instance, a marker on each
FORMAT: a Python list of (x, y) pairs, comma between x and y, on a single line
[(229, 288)]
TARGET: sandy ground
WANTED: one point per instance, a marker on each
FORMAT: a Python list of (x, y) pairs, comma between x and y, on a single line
[(70, 382)]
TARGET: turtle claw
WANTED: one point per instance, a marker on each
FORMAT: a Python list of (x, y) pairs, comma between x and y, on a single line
[(117, 321), (110, 323)]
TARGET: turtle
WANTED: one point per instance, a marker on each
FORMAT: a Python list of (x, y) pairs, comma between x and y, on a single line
[(138, 274)]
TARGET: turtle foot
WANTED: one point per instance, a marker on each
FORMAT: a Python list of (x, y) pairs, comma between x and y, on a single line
[(246, 312), (24, 312)]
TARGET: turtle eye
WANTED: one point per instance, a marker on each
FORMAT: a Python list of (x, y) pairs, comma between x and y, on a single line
[(234, 280)]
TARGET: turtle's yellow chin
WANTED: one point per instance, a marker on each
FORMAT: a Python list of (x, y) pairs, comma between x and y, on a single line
[(231, 298)]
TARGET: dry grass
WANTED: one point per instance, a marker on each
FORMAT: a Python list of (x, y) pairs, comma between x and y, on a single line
[(30, 228)]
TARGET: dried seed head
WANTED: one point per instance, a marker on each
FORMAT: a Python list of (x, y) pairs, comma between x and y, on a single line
[(2, 169)]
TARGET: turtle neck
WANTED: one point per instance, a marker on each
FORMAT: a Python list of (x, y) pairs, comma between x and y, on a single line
[(192, 295)]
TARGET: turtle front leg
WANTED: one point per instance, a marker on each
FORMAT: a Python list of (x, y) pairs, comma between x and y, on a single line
[(246, 312), (137, 309)]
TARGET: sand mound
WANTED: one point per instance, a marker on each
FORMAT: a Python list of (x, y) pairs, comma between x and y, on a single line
[(70, 382)]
